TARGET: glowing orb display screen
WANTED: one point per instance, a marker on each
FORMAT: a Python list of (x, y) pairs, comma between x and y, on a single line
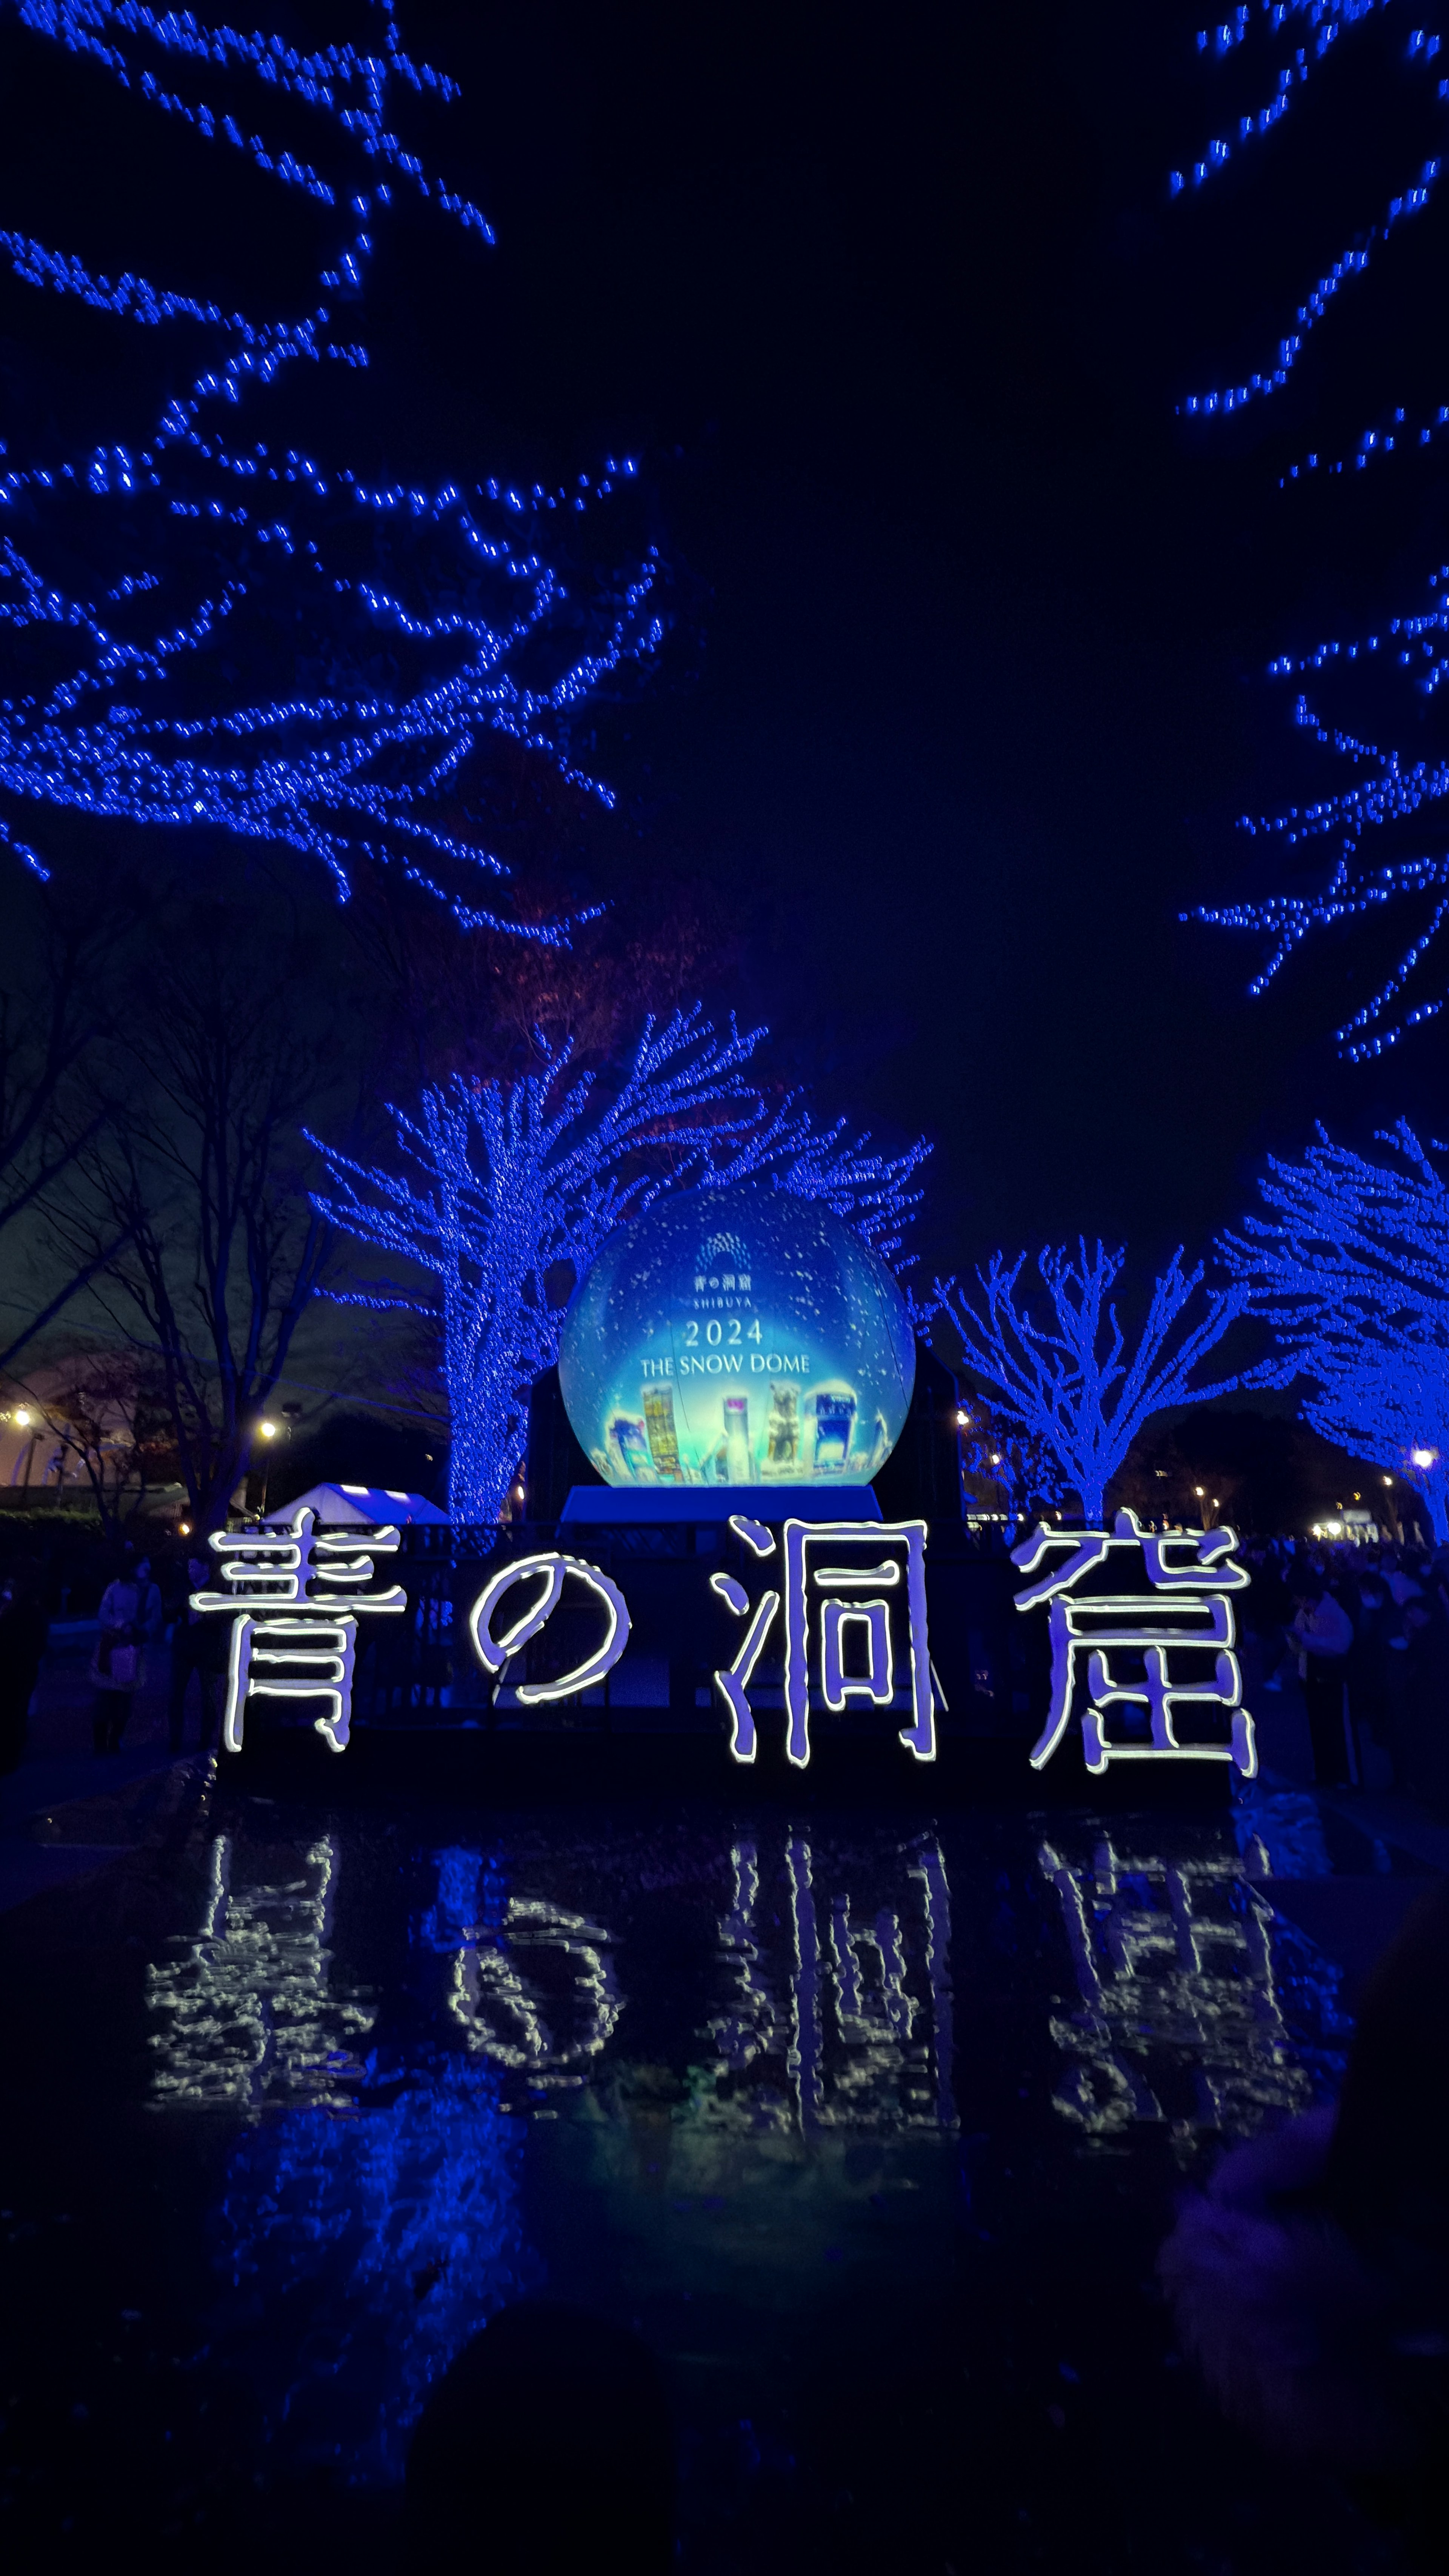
[(737, 1337)]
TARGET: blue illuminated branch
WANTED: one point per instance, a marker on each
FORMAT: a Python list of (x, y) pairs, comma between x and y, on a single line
[(1320, 22), (870, 1191), (1352, 1270), (117, 703), (506, 1182), (1070, 1380), (1391, 786), (1391, 792)]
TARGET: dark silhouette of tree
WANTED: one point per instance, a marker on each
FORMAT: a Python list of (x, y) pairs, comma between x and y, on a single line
[(66, 955), (191, 1201), (104, 1409)]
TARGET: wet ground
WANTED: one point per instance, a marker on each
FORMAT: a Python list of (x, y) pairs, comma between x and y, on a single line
[(872, 2127)]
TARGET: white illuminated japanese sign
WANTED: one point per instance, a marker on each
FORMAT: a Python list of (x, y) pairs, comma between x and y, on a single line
[(853, 1633), (1179, 1615), (838, 1594), (286, 1641), (1141, 1629), (550, 1567)]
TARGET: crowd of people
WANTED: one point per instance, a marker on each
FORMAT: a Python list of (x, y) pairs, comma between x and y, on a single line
[(144, 1607), (1367, 1631)]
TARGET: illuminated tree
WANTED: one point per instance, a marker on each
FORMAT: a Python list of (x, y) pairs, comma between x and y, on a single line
[(1393, 781), (219, 624), (1352, 1268), (1066, 1376), (508, 1186)]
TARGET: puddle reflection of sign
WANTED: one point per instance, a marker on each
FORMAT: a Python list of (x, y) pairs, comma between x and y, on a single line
[(531, 1983), (837, 2014), (1179, 2017), (1139, 1661)]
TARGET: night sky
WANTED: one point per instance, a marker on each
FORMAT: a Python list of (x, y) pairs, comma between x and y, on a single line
[(895, 311)]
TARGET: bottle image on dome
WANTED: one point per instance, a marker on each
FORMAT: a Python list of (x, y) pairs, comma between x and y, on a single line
[(739, 1464), (662, 1436), (834, 1421), (628, 1438), (782, 1432)]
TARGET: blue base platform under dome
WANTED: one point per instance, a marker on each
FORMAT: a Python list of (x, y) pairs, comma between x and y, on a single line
[(609, 1506)]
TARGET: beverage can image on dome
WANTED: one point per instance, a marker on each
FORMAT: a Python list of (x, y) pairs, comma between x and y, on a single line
[(737, 1336)]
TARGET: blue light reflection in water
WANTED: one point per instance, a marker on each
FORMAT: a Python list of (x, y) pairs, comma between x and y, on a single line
[(361, 2251), (752, 2066)]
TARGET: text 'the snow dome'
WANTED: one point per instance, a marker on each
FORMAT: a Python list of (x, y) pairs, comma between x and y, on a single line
[(737, 1337)]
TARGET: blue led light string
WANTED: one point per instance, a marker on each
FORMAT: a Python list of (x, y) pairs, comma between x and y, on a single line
[(1374, 445), (1394, 791), (1351, 1268), (1064, 1376), (1412, 646), (354, 772), (1322, 21), (505, 1181)]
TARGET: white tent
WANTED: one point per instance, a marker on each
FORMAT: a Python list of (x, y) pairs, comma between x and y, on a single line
[(354, 1505)]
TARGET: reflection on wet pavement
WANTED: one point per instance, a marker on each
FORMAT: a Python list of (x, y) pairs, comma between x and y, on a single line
[(247, 2008), (827, 2107), (844, 2022), (1179, 2017)]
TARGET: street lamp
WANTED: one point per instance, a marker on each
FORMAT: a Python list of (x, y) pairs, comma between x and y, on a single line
[(24, 1419), (266, 1430)]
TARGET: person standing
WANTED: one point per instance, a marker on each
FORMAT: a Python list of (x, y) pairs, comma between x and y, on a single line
[(24, 1631), (194, 1649), (130, 1615), (1322, 1631), (1375, 1628)]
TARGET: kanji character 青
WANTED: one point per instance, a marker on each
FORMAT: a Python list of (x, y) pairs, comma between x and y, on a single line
[(286, 1641)]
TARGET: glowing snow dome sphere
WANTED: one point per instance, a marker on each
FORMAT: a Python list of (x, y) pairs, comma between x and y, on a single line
[(737, 1337)]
